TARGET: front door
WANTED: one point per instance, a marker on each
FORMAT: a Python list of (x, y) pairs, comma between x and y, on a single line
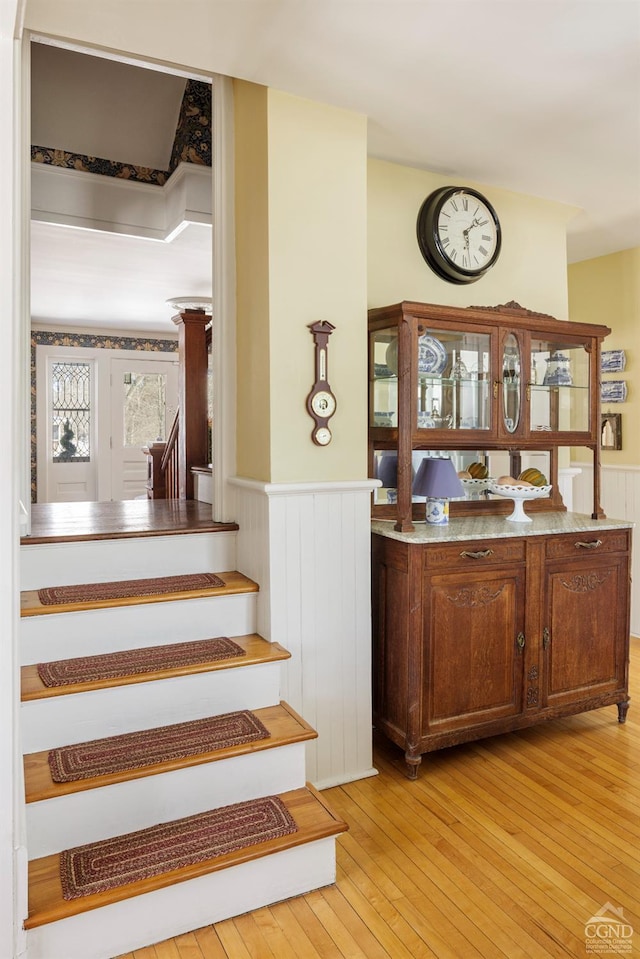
[(67, 435), (144, 400)]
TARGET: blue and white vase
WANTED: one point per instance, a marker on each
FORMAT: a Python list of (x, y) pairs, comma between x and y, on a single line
[(437, 511)]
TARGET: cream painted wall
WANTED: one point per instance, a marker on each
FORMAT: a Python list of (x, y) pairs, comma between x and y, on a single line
[(300, 258), (531, 268), (607, 290), (317, 271), (252, 286)]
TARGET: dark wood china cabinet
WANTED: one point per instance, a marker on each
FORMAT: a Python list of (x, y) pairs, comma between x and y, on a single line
[(484, 625)]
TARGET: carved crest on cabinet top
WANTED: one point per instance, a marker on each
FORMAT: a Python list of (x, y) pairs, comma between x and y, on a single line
[(474, 596), (585, 582)]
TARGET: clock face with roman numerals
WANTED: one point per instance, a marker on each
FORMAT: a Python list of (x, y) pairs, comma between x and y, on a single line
[(458, 234)]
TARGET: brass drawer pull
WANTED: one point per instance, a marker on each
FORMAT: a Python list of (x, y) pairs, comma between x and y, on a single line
[(481, 554), (592, 545)]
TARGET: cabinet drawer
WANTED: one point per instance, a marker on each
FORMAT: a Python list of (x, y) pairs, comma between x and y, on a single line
[(474, 554), (589, 543)]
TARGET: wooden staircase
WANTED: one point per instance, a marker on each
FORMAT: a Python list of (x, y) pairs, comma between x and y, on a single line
[(61, 816)]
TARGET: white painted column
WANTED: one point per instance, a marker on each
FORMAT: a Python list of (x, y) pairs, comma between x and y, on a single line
[(566, 476), (308, 545)]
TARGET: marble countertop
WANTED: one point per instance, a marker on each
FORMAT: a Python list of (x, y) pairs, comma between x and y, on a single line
[(495, 527)]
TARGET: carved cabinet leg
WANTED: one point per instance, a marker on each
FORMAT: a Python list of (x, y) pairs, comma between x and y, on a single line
[(622, 711), (412, 764)]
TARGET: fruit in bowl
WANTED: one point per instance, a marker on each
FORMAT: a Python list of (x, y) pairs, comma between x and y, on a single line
[(533, 476), (478, 471), (464, 474), (510, 481)]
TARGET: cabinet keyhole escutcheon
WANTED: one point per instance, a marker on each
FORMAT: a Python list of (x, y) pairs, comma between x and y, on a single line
[(520, 641), (546, 638)]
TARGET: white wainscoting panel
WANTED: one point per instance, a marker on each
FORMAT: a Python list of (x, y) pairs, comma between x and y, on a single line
[(620, 500), (309, 548)]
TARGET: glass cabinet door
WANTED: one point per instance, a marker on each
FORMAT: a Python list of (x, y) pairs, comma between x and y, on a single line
[(511, 382), (559, 398), (384, 375), (454, 380)]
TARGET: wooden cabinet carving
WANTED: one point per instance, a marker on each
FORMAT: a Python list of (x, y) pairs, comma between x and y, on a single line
[(479, 637), (585, 611)]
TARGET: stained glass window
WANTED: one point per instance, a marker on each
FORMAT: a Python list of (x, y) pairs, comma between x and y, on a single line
[(71, 412)]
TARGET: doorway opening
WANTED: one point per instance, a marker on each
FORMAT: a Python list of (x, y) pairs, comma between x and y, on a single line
[(121, 222)]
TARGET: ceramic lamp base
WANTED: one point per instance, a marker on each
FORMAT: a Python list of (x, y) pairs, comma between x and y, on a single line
[(437, 511)]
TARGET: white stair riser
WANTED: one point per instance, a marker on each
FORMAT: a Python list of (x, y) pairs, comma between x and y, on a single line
[(143, 920), (101, 561), (94, 814), (92, 631), (63, 720)]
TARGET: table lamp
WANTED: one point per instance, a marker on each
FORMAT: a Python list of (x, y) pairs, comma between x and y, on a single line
[(438, 481), (387, 473)]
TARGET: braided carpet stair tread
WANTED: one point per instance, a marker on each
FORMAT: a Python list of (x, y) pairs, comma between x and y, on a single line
[(113, 754), (62, 599), (282, 726), (150, 659), (313, 818), (98, 866), (118, 589), (253, 648)]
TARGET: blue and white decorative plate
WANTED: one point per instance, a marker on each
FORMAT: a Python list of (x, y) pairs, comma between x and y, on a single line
[(612, 361), (432, 356), (613, 391)]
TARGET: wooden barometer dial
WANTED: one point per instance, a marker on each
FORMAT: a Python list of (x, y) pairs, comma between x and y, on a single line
[(321, 403)]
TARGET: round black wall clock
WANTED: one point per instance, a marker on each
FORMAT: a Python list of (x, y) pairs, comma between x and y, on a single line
[(458, 234)]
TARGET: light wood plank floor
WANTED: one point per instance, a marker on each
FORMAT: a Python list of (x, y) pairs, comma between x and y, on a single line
[(502, 849)]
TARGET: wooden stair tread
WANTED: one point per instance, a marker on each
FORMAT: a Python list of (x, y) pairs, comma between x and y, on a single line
[(284, 724), (124, 519), (234, 583), (313, 816), (257, 649)]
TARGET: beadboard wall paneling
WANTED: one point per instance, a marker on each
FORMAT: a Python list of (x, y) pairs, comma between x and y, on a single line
[(620, 500), (308, 546)]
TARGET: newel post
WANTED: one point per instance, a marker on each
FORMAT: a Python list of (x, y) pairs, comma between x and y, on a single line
[(192, 395)]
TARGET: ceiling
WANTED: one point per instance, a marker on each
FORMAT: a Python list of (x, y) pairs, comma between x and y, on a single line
[(541, 97)]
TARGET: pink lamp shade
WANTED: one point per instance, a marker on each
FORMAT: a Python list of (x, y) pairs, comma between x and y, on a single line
[(438, 481)]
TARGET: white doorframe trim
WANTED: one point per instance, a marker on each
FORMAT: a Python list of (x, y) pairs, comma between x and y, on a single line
[(224, 302), (23, 276), (14, 468)]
